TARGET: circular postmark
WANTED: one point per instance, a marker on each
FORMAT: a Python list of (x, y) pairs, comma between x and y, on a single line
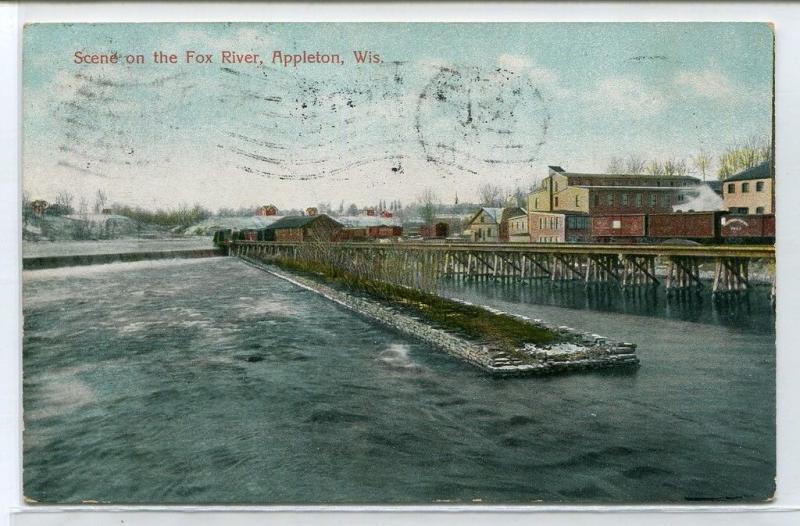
[(470, 119)]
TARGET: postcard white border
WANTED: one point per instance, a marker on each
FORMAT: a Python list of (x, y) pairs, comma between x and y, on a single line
[(786, 18)]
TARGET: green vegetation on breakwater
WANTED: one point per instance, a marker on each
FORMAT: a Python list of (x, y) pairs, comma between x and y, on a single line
[(500, 331)]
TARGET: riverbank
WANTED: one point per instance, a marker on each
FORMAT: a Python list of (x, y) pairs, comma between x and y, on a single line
[(499, 343)]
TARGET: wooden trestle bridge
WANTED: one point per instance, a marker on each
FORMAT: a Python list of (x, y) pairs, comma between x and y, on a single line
[(624, 265)]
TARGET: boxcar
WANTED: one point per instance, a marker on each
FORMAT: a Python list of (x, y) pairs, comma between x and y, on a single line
[(385, 231), (352, 234), (684, 225), (619, 227), (747, 227)]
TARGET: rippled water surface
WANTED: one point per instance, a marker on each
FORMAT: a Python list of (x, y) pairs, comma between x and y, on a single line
[(208, 381)]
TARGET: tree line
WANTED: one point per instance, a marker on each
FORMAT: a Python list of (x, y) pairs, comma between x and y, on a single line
[(739, 156)]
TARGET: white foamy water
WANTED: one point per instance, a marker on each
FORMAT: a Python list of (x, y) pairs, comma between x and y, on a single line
[(94, 270), (397, 356)]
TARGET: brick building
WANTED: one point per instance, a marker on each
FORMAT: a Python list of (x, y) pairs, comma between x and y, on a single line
[(305, 228), (751, 191), (609, 193), (562, 207)]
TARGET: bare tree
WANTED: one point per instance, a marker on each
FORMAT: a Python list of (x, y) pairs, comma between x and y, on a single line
[(674, 166), (616, 165), (428, 205), (743, 155), (64, 201), (100, 200), (490, 195), (634, 164), (655, 167), (702, 163)]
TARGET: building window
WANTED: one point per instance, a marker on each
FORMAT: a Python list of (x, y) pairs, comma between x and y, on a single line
[(556, 186), (760, 209), (638, 200), (731, 188), (596, 200), (760, 186), (576, 201), (745, 187), (536, 203), (652, 200), (665, 200), (556, 201), (624, 199), (610, 199)]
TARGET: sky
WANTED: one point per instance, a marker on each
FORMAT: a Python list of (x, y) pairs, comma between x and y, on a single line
[(449, 107)]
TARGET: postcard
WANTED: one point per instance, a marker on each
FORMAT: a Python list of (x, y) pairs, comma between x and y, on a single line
[(398, 263)]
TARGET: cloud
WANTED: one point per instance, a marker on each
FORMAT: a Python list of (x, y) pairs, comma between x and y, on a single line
[(707, 84), (626, 95), (546, 79), (242, 40)]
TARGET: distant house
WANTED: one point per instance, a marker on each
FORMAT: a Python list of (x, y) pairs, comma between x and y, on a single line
[(751, 191), (491, 224), (267, 210), (370, 211), (518, 227), (106, 211), (305, 228), (311, 211), (386, 214)]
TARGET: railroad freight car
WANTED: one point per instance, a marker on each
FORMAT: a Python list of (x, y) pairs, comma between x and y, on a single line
[(385, 231), (619, 228), (698, 226), (352, 234), (736, 228), (439, 230)]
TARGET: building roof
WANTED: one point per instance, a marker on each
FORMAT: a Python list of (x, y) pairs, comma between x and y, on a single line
[(367, 221), (618, 175), (512, 212), (499, 215), (512, 215), (634, 187), (761, 171), (297, 222), (643, 176)]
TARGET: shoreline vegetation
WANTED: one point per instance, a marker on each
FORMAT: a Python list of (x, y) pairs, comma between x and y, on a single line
[(500, 343), (499, 331)]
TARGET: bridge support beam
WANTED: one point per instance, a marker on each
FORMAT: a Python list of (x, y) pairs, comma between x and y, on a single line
[(683, 274), (602, 269), (639, 270), (731, 275)]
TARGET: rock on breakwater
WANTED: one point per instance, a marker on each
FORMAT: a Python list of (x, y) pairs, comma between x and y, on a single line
[(575, 350)]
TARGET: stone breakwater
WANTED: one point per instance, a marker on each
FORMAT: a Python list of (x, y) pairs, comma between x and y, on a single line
[(576, 350)]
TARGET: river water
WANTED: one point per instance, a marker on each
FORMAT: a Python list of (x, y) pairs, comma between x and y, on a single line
[(208, 381)]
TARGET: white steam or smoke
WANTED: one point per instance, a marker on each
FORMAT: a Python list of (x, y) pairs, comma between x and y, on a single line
[(701, 199)]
